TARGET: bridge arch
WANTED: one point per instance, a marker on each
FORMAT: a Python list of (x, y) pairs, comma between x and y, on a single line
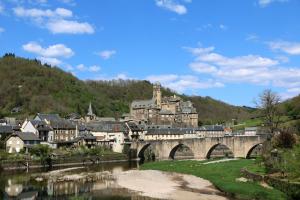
[(176, 147), (213, 147), (251, 150), (141, 153)]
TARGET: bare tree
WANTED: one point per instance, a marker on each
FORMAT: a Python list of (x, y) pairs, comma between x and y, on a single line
[(268, 104)]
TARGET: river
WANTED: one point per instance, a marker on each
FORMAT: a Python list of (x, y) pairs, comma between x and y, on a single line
[(105, 181)]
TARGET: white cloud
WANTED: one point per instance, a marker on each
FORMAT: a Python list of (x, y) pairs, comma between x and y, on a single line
[(123, 77), (172, 6), (50, 61), (70, 27), (57, 21), (81, 67), (57, 50), (251, 69), (292, 48), (203, 67), (290, 93), (264, 3), (207, 55), (223, 27), (39, 13), (183, 83), (106, 54), (93, 68)]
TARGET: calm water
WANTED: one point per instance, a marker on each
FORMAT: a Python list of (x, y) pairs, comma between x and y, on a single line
[(23, 185), (104, 181)]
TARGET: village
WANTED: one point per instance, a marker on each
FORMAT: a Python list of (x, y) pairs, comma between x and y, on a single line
[(160, 118)]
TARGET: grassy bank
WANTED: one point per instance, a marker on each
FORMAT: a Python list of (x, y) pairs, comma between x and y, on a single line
[(223, 175)]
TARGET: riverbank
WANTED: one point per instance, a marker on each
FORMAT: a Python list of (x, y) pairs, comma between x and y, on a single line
[(8, 165), (226, 176)]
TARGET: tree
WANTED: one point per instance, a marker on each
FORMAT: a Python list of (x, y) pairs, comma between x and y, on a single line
[(285, 139), (268, 104)]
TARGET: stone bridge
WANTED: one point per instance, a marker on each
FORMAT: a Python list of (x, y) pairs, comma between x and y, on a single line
[(241, 146)]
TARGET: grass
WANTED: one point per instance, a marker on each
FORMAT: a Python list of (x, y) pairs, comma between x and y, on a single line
[(223, 175), (258, 122), (257, 169)]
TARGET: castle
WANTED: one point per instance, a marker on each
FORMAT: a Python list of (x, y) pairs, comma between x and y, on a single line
[(164, 110)]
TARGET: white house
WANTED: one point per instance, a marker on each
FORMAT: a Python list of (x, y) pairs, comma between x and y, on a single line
[(111, 134), (40, 128), (19, 140)]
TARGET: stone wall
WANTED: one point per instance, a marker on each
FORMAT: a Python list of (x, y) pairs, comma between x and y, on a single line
[(292, 189)]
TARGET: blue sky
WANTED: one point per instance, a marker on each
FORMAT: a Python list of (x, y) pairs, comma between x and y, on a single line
[(230, 50)]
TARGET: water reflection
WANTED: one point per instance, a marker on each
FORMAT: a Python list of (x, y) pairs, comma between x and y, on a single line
[(24, 186), (106, 181)]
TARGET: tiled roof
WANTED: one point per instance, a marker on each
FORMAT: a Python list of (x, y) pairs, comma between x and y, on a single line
[(133, 126), (40, 125), (211, 128), (26, 136), (107, 126), (62, 124), (143, 104), (8, 129)]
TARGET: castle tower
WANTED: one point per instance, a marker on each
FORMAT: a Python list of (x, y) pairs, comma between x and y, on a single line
[(157, 94)]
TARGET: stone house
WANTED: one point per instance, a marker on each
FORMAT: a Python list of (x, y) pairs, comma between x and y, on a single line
[(19, 140), (63, 130), (210, 131), (165, 134), (87, 140), (111, 134), (135, 131)]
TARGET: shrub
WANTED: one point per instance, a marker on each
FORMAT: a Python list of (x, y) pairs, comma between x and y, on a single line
[(40, 150), (285, 139)]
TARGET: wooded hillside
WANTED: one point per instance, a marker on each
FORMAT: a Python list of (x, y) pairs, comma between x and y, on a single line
[(29, 87)]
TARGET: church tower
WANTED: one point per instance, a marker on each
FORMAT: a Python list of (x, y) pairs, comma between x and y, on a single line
[(90, 115), (157, 94)]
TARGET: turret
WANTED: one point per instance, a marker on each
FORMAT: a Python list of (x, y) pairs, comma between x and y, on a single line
[(157, 94)]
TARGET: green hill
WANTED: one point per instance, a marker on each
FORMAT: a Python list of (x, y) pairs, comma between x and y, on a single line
[(29, 87)]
